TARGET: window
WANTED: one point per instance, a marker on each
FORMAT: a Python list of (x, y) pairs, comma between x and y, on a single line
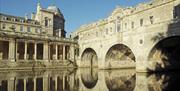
[(141, 22), (176, 12), (125, 25), (118, 27), (4, 18), (40, 30), (36, 30), (22, 21), (28, 29), (13, 27), (46, 21), (107, 30), (21, 28), (8, 18), (110, 29), (13, 19), (3, 26), (151, 19), (96, 34), (132, 24)]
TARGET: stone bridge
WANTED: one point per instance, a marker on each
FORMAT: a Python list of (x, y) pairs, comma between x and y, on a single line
[(147, 39)]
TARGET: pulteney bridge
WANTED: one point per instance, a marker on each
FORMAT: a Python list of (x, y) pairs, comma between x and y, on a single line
[(146, 37)]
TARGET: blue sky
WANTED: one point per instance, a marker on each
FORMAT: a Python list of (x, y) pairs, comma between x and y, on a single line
[(76, 12)]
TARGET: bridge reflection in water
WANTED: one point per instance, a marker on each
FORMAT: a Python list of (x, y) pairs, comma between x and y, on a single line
[(87, 79)]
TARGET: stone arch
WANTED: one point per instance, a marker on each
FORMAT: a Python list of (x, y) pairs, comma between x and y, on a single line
[(119, 52), (119, 56), (165, 54), (89, 58)]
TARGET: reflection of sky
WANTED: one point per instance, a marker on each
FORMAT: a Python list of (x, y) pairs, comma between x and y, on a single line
[(76, 12)]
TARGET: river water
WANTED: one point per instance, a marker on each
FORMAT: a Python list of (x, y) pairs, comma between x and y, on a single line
[(87, 80)]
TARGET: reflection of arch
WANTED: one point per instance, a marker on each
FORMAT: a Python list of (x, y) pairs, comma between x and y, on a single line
[(165, 53), (89, 78), (89, 56), (124, 83), (119, 52)]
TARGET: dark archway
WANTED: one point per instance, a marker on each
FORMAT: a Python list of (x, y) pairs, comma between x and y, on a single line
[(89, 58), (119, 52), (166, 54)]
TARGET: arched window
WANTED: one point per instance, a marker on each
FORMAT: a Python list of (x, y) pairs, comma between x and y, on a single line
[(3, 26)]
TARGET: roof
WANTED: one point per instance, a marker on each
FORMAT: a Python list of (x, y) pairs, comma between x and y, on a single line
[(18, 18)]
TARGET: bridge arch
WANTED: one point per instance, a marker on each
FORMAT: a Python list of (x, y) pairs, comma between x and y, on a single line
[(165, 54), (118, 55), (89, 58)]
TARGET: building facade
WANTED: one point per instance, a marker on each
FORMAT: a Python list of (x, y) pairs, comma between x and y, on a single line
[(39, 39), (134, 37)]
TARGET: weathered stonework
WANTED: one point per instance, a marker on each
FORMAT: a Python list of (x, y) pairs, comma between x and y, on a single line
[(139, 31), (39, 42)]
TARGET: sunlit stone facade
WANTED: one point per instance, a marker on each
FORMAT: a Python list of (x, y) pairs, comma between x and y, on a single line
[(132, 37), (42, 38)]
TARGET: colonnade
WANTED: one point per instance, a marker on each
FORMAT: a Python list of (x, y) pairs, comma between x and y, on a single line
[(22, 50)]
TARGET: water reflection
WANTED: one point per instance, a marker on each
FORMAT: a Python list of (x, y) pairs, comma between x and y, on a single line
[(89, 77), (87, 80), (121, 80)]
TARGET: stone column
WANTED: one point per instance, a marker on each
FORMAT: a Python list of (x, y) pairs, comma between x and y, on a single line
[(55, 80), (35, 51), (56, 51), (1, 48), (34, 80), (25, 50), (11, 84), (45, 82), (72, 54), (46, 52), (63, 82), (64, 52), (25, 84), (17, 54), (12, 50), (49, 50), (16, 82)]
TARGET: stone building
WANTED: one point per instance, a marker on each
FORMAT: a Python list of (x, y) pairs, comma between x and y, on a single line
[(41, 39), (132, 37)]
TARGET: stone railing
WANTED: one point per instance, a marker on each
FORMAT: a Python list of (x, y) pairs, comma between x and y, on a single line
[(35, 36)]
